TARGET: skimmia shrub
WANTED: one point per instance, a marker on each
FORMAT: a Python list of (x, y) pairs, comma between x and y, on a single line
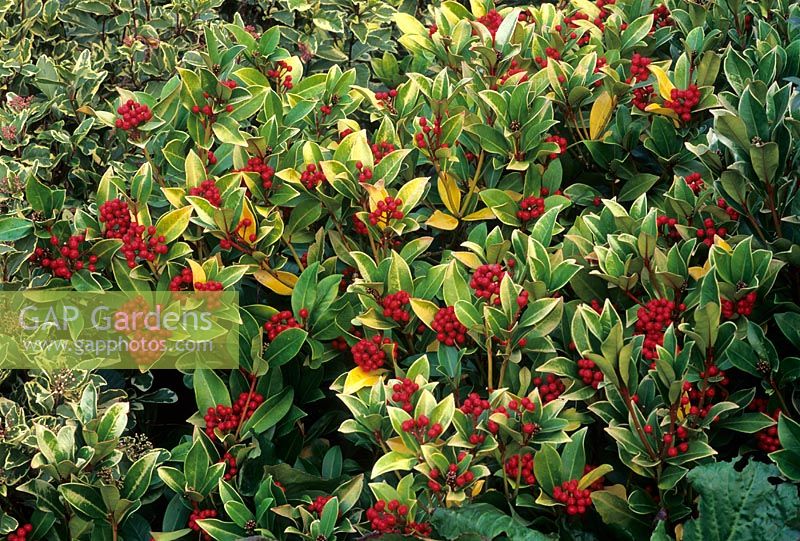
[(504, 270)]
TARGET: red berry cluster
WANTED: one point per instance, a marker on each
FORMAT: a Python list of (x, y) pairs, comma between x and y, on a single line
[(386, 98), (422, 429), (207, 110), (682, 102), (430, 136), (116, 217), (380, 150), (227, 418), (699, 400), (560, 141), (652, 320), (388, 209), (327, 109), (364, 172), (730, 211), (368, 353), (200, 514), (549, 52), (661, 17), (639, 68), (318, 504), (491, 20), (238, 231), (643, 96), (577, 501), (486, 282), (69, 257), (473, 407), (258, 165), (569, 20), (452, 479), (312, 176), (602, 62), (449, 331), (360, 226), (432, 29), (209, 190), (707, 234), (395, 306), (530, 208), (182, 280), (550, 387), (392, 517), (230, 466), (742, 307), (279, 323), (767, 439), (589, 373), (403, 392), (21, 533), (211, 158), (520, 467), (132, 115), (676, 444), (695, 182), (512, 70), (281, 74), (669, 227)]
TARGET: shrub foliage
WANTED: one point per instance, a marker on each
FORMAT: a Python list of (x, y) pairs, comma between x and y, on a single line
[(505, 270)]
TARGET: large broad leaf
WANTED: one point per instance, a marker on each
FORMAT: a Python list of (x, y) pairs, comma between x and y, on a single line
[(743, 506), (482, 520)]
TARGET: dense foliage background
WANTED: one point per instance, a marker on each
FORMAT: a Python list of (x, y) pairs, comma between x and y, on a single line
[(523, 271)]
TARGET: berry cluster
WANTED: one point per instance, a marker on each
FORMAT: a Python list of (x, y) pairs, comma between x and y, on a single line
[(430, 137), (392, 517), (281, 74), (639, 68), (211, 158), (643, 96), (730, 211), (449, 330), (182, 280), (560, 141), (209, 190), (661, 17), (422, 429), (709, 230), (132, 115), (491, 20), (116, 217), (386, 98), (360, 226), (550, 387), (676, 443), (388, 209), (520, 467), (695, 182), (767, 439), (227, 418), (312, 176), (513, 69), (486, 282), (21, 533), (473, 407), (395, 306), (549, 52), (318, 504), (742, 307), (652, 320), (589, 373), (230, 466), (380, 150), (279, 323), (69, 257), (577, 501), (368, 353), (258, 165), (669, 227), (200, 514), (452, 478), (364, 172), (327, 109), (699, 400), (402, 393), (530, 208), (682, 102)]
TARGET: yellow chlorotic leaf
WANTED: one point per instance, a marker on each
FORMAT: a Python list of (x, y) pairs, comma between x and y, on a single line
[(198, 274), (449, 193), (358, 379), (396, 444), (425, 310), (468, 258), (665, 86), (483, 214), (409, 24), (618, 491), (679, 532), (377, 192), (440, 220), (722, 244), (656, 108), (246, 232), (287, 278), (477, 488), (455, 499), (272, 282), (697, 272), (289, 175), (601, 114), (174, 196)]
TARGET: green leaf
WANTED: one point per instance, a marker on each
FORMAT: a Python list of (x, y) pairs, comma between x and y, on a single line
[(13, 228), (284, 347), (742, 506), (209, 390), (482, 521), (547, 468), (137, 480), (636, 32), (195, 467), (113, 422), (270, 412), (85, 500)]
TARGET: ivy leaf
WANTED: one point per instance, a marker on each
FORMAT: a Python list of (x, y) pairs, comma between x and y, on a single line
[(742, 506)]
